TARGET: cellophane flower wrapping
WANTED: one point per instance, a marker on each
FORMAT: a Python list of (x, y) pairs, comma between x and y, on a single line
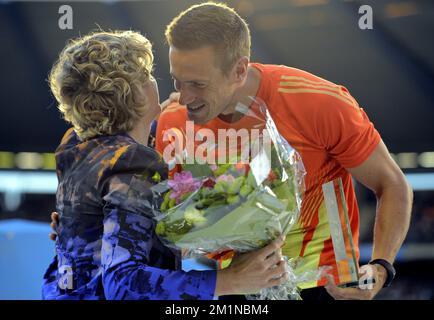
[(240, 204)]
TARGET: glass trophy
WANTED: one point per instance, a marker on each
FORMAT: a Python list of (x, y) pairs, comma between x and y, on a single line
[(340, 231)]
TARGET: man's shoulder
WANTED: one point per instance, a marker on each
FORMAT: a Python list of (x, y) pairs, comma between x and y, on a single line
[(174, 115), (303, 92), (282, 73)]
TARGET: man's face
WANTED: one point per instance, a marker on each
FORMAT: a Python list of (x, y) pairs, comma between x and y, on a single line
[(204, 89)]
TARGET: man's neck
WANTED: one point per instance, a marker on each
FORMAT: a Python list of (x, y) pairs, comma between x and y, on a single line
[(242, 95)]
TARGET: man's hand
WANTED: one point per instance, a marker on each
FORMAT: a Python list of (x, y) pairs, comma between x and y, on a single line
[(364, 292), (53, 225), (173, 97)]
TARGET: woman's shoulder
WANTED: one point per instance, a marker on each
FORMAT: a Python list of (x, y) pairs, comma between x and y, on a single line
[(120, 154), (69, 139), (133, 156), (105, 156), (127, 175)]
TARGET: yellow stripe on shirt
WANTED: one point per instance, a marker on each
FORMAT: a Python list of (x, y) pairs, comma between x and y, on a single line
[(305, 90)]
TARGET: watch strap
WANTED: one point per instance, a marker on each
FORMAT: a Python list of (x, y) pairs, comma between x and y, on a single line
[(389, 269)]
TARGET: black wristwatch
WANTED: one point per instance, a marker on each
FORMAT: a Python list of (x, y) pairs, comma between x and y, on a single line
[(389, 268)]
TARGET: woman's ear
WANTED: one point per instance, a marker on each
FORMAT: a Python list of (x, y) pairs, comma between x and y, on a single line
[(241, 68)]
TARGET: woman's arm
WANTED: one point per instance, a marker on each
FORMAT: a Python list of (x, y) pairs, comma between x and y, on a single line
[(136, 265), (129, 245), (247, 273)]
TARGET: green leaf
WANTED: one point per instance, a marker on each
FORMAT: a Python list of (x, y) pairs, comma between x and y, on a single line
[(245, 190), (251, 180), (160, 229), (286, 193), (194, 216), (198, 170), (165, 204), (221, 186), (235, 186), (222, 169), (172, 203), (156, 177), (246, 222), (233, 199)]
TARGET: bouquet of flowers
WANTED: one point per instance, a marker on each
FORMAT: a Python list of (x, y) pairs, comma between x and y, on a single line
[(238, 205)]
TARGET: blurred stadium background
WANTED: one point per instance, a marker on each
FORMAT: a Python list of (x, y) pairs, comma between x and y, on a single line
[(389, 70)]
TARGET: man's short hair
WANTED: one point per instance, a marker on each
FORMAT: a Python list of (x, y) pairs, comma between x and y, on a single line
[(97, 82), (211, 24)]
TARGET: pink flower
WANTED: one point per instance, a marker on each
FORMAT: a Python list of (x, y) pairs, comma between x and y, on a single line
[(225, 177), (182, 184), (213, 167)]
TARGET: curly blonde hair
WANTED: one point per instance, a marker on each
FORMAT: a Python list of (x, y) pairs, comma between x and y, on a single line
[(97, 81)]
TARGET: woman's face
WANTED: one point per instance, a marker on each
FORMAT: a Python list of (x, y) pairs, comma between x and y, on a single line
[(147, 96), (152, 100)]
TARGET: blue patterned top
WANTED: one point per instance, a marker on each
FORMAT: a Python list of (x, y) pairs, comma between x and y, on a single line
[(106, 246)]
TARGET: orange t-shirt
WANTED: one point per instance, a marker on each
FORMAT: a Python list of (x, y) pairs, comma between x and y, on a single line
[(325, 124)]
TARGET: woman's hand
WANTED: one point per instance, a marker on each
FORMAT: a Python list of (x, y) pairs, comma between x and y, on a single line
[(53, 225), (250, 272)]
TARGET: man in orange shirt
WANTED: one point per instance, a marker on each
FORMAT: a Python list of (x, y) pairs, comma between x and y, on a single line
[(209, 62)]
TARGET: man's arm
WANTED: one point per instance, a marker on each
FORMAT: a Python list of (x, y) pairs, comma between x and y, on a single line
[(382, 175)]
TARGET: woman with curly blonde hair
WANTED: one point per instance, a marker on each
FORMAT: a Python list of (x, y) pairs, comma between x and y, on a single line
[(106, 247), (104, 85)]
